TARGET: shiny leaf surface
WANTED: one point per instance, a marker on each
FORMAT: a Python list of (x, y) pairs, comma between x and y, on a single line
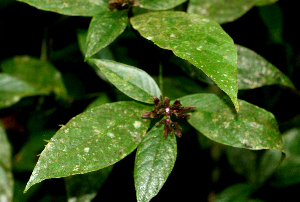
[(155, 159), (132, 81), (91, 141), (199, 40), (252, 127), (160, 4)]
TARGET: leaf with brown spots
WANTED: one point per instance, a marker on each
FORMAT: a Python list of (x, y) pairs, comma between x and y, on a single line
[(92, 140), (251, 128)]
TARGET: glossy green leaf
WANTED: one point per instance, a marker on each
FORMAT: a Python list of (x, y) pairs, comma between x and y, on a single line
[(254, 71), (236, 193), (84, 187), (13, 89), (160, 4), (104, 29), (252, 127), (41, 75), (288, 173), (224, 11), (92, 140), (199, 40), (6, 177), (154, 161), (71, 7), (132, 81)]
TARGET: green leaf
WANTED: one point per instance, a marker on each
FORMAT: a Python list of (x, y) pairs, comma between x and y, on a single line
[(41, 75), (132, 81), (236, 193), (104, 29), (252, 127), (71, 7), (224, 11), (254, 71), (13, 89), (160, 4), (199, 40), (288, 173), (6, 177), (154, 161), (83, 188), (102, 99), (92, 140)]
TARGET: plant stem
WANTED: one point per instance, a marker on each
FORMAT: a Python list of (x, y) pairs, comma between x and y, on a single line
[(160, 78)]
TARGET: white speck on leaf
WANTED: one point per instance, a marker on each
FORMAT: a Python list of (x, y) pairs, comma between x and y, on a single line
[(137, 124), (111, 135), (86, 149)]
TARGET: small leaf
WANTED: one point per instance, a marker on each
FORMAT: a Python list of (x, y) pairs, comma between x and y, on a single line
[(104, 29), (236, 193), (224, 11), (13, 89), (254, 71), (252, 127), (102, 99), (84, 187), (41, 75), (132, 81), (199, 40), (71, 7), (154, 161), (288, 173), (91, 141), (6, 177), (160, 4)]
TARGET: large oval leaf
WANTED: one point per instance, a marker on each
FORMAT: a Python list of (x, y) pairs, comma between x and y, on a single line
[(199, 40), (104, 29), (154, 161), (160, 4), (71, 7), (252, 127), (92, 140), (254, 71), (224, 11), (132, 81)]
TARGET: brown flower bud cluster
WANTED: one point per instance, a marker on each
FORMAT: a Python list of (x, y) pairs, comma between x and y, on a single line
[(163, 108), (122, 4)]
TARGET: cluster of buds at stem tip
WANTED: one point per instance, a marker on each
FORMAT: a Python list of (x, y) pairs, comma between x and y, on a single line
[(163, 108)]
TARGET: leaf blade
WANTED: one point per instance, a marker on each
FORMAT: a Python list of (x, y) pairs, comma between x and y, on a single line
[(71, 7), (254, 71), (199, 40), (92, 140), (160, 4), (251, 128), (132, 81), (104, 29), (155, 159)]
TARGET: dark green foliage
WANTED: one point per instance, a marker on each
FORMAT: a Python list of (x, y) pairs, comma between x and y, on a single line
[(88, 110)]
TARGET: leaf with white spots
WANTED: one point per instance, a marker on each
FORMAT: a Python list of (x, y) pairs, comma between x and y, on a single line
[(252, 127), (197, 39), (6, 177), (104, 29), (160, 4), (132, 81), (224, 11), (254, 71), (71, 7), (92, 140), (154, 161)]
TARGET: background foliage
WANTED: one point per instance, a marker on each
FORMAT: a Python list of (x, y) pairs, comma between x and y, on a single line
[(51, 89)]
